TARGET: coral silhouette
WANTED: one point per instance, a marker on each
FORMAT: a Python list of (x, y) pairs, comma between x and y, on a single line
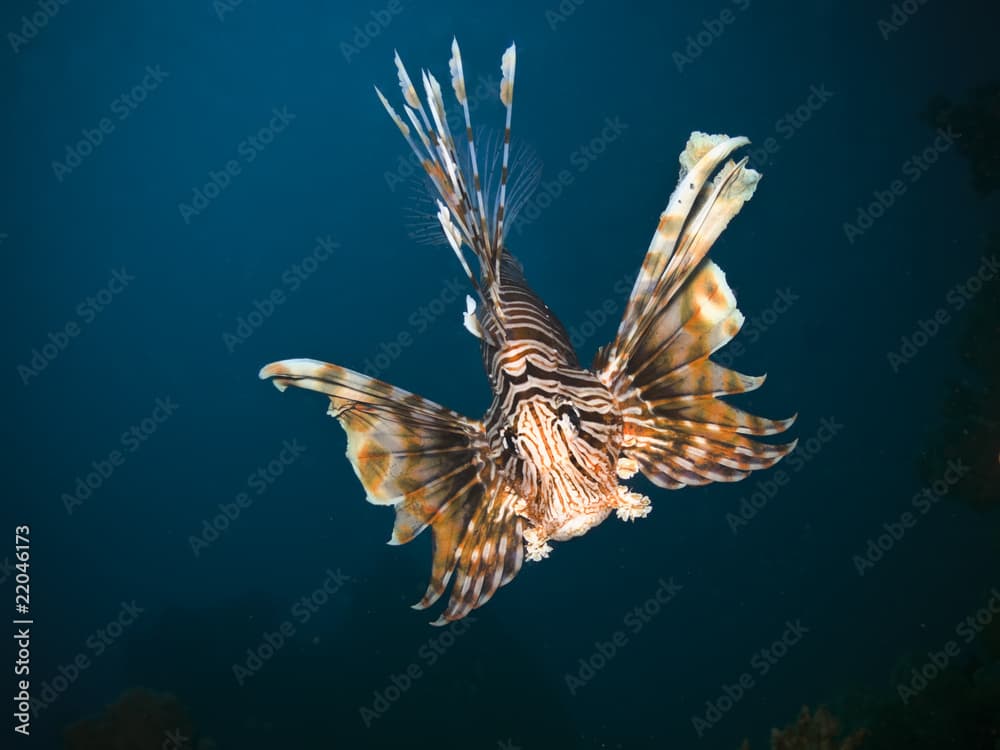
[(960, 708), (976, 122), (969, 425), (813, 731), (141, 719)]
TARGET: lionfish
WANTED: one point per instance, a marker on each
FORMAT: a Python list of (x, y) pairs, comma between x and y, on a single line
[(545, 462)]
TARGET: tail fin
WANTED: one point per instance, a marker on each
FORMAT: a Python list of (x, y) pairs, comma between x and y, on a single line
[(429, 463), (681, 310), (462, 210)]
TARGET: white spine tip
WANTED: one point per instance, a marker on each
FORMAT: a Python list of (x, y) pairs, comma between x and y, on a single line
[(507, 65)]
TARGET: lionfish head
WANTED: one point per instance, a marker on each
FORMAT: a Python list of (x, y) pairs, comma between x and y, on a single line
[(561, 456)]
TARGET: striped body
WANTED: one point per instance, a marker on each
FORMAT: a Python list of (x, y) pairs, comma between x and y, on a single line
[(553, 428), (545, 462)]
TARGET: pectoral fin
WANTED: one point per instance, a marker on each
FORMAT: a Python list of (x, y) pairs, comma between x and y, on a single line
[(431, 464), (681, 311)]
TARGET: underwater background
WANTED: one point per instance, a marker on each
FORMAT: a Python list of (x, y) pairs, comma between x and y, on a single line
[(192, 190)]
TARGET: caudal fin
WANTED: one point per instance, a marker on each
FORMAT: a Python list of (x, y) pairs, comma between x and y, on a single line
[(680, 312), (430, 464)]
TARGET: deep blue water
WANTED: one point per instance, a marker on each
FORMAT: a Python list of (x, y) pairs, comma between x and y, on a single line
[(132, 277)]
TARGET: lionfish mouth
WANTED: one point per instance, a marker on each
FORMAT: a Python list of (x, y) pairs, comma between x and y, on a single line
[(580, 524), (571, 508)]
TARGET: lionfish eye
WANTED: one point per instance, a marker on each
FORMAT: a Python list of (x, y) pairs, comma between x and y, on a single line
[(569, 410), (508, 441)]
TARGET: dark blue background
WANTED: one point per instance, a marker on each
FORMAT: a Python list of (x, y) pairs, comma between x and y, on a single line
[(326, 175)]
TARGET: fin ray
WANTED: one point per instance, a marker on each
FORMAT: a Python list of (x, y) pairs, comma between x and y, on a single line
[(680, 312), (431, 464)]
